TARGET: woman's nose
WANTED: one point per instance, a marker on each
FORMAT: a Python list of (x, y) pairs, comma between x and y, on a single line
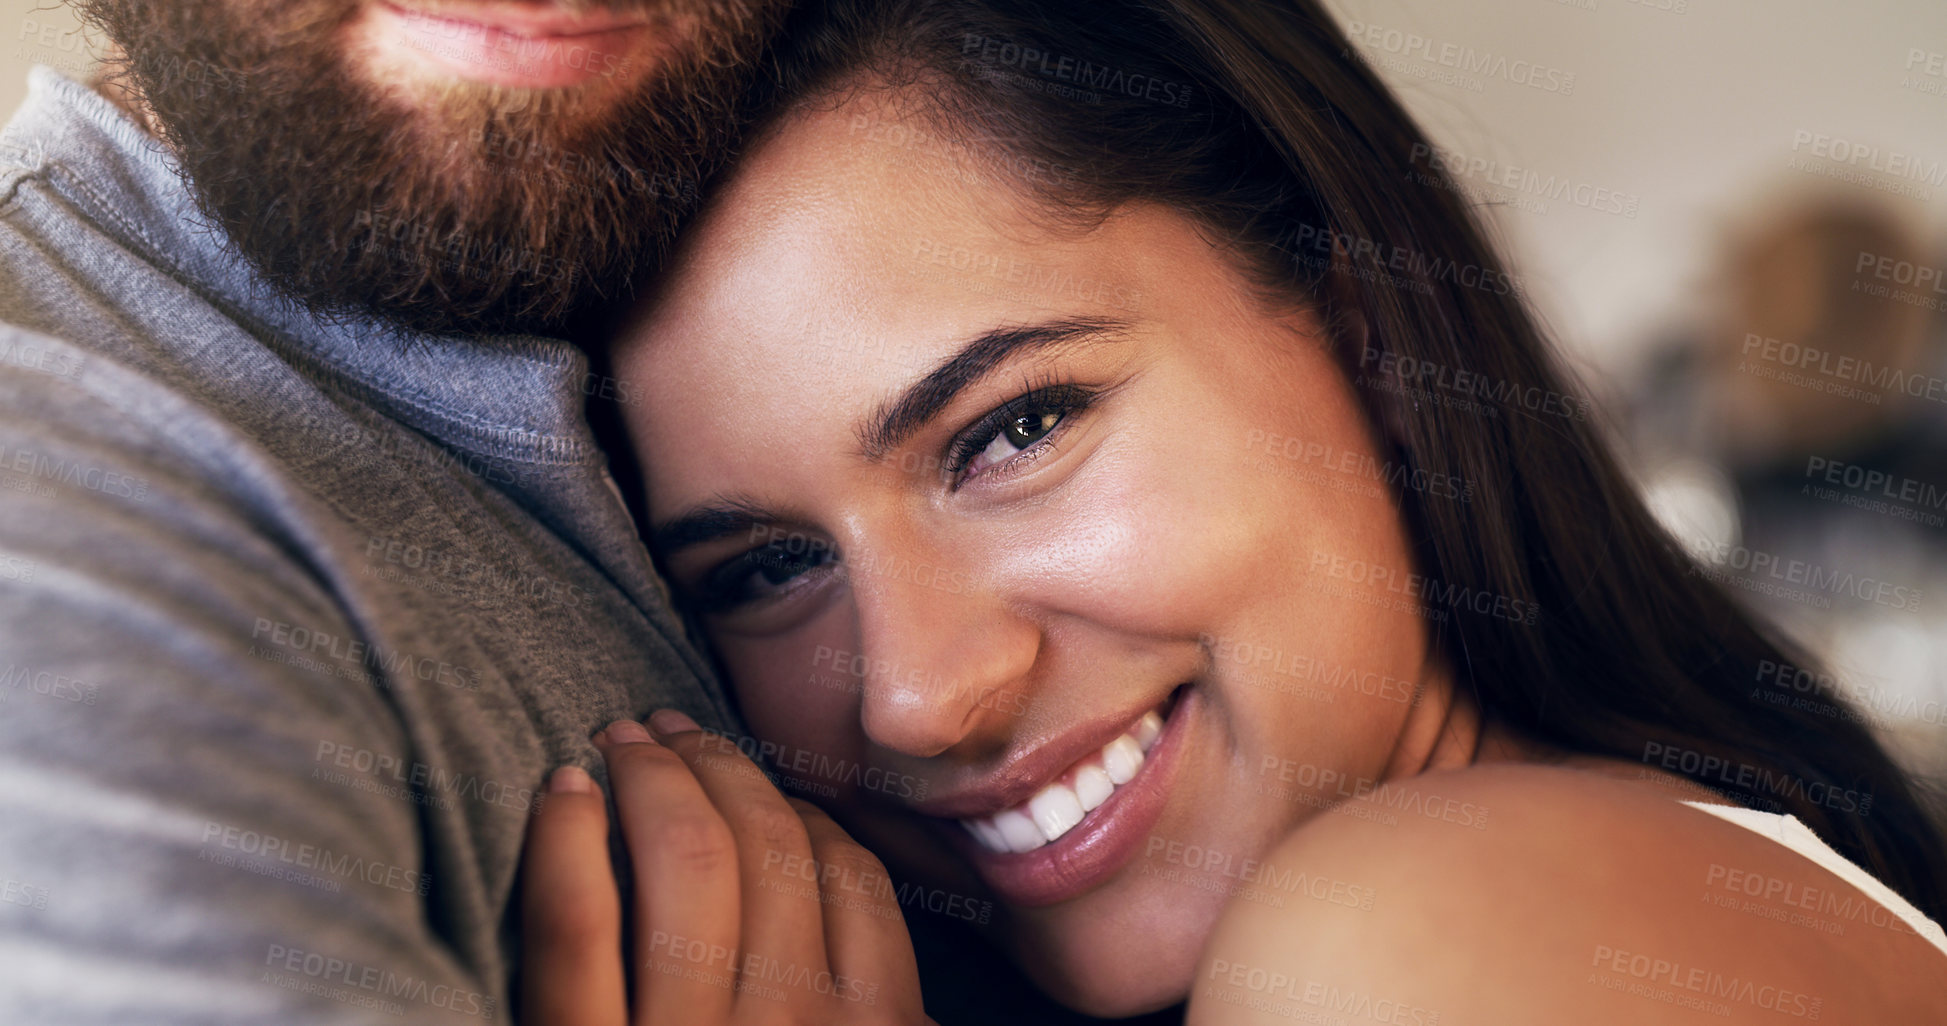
[(946, 656)]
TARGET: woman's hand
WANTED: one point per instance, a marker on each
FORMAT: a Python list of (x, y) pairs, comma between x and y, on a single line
[(748, 906)]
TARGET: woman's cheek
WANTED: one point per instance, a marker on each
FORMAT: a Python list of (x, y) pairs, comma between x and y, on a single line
[(801, 691), (1162, 536)]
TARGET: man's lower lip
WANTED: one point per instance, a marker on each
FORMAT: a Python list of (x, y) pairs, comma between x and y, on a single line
[(508, 55), (1100, 845)]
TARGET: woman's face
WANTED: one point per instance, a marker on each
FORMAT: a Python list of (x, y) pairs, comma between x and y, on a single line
[(963, 499)]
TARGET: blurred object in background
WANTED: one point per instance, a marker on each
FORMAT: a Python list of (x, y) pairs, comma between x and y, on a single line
[(1794, 437), (1801, 298)]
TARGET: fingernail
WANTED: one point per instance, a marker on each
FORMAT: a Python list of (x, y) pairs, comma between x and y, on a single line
[(627, 732), (669, 721), (571, 780)]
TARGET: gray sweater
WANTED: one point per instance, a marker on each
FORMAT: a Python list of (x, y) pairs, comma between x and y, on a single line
[(293, 619)]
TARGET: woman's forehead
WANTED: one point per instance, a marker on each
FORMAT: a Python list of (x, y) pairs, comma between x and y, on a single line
[(839, 231)]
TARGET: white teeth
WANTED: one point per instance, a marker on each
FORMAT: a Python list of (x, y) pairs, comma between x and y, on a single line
[(1060, 807), (1055, 810), (1123, 759), (1092, 786), (1019, 831), (988, 834)]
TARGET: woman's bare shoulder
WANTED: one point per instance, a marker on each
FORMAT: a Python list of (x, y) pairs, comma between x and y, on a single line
[(1516, 893)]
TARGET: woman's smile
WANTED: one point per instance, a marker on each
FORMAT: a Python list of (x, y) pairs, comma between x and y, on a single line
[(1081, 823)]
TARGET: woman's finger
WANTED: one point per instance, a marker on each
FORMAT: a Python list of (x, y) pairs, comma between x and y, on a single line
[(571, 915), (686, 903), (872, 962), (782, 922)]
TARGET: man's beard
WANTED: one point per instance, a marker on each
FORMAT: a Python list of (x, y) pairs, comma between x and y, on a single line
[(488, 209)]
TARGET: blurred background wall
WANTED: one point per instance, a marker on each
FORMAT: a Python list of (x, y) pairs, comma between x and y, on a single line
[(37, 32), (1731, 213), (1691, 109)]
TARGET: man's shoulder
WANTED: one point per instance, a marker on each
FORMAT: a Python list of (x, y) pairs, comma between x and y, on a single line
[(105, 281), (77, 418), (44, 358), (1560, 889)]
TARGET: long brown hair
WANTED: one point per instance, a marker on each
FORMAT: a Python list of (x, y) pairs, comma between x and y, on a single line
[(1256, 119)]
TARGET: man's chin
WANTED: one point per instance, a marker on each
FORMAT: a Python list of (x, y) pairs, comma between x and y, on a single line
[(435, 201)]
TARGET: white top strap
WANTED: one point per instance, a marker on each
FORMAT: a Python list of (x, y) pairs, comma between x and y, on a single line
[(1791, 833)]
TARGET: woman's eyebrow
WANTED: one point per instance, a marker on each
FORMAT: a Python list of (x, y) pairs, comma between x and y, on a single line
[(702, 524), (898, 418)]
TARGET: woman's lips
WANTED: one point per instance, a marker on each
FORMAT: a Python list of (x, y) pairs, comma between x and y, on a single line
[(519, 45), (1061, 805), (1088, 848)]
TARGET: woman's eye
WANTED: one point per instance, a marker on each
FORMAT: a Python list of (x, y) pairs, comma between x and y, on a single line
[(761, 574), (1017, 434), (1021, 425)]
